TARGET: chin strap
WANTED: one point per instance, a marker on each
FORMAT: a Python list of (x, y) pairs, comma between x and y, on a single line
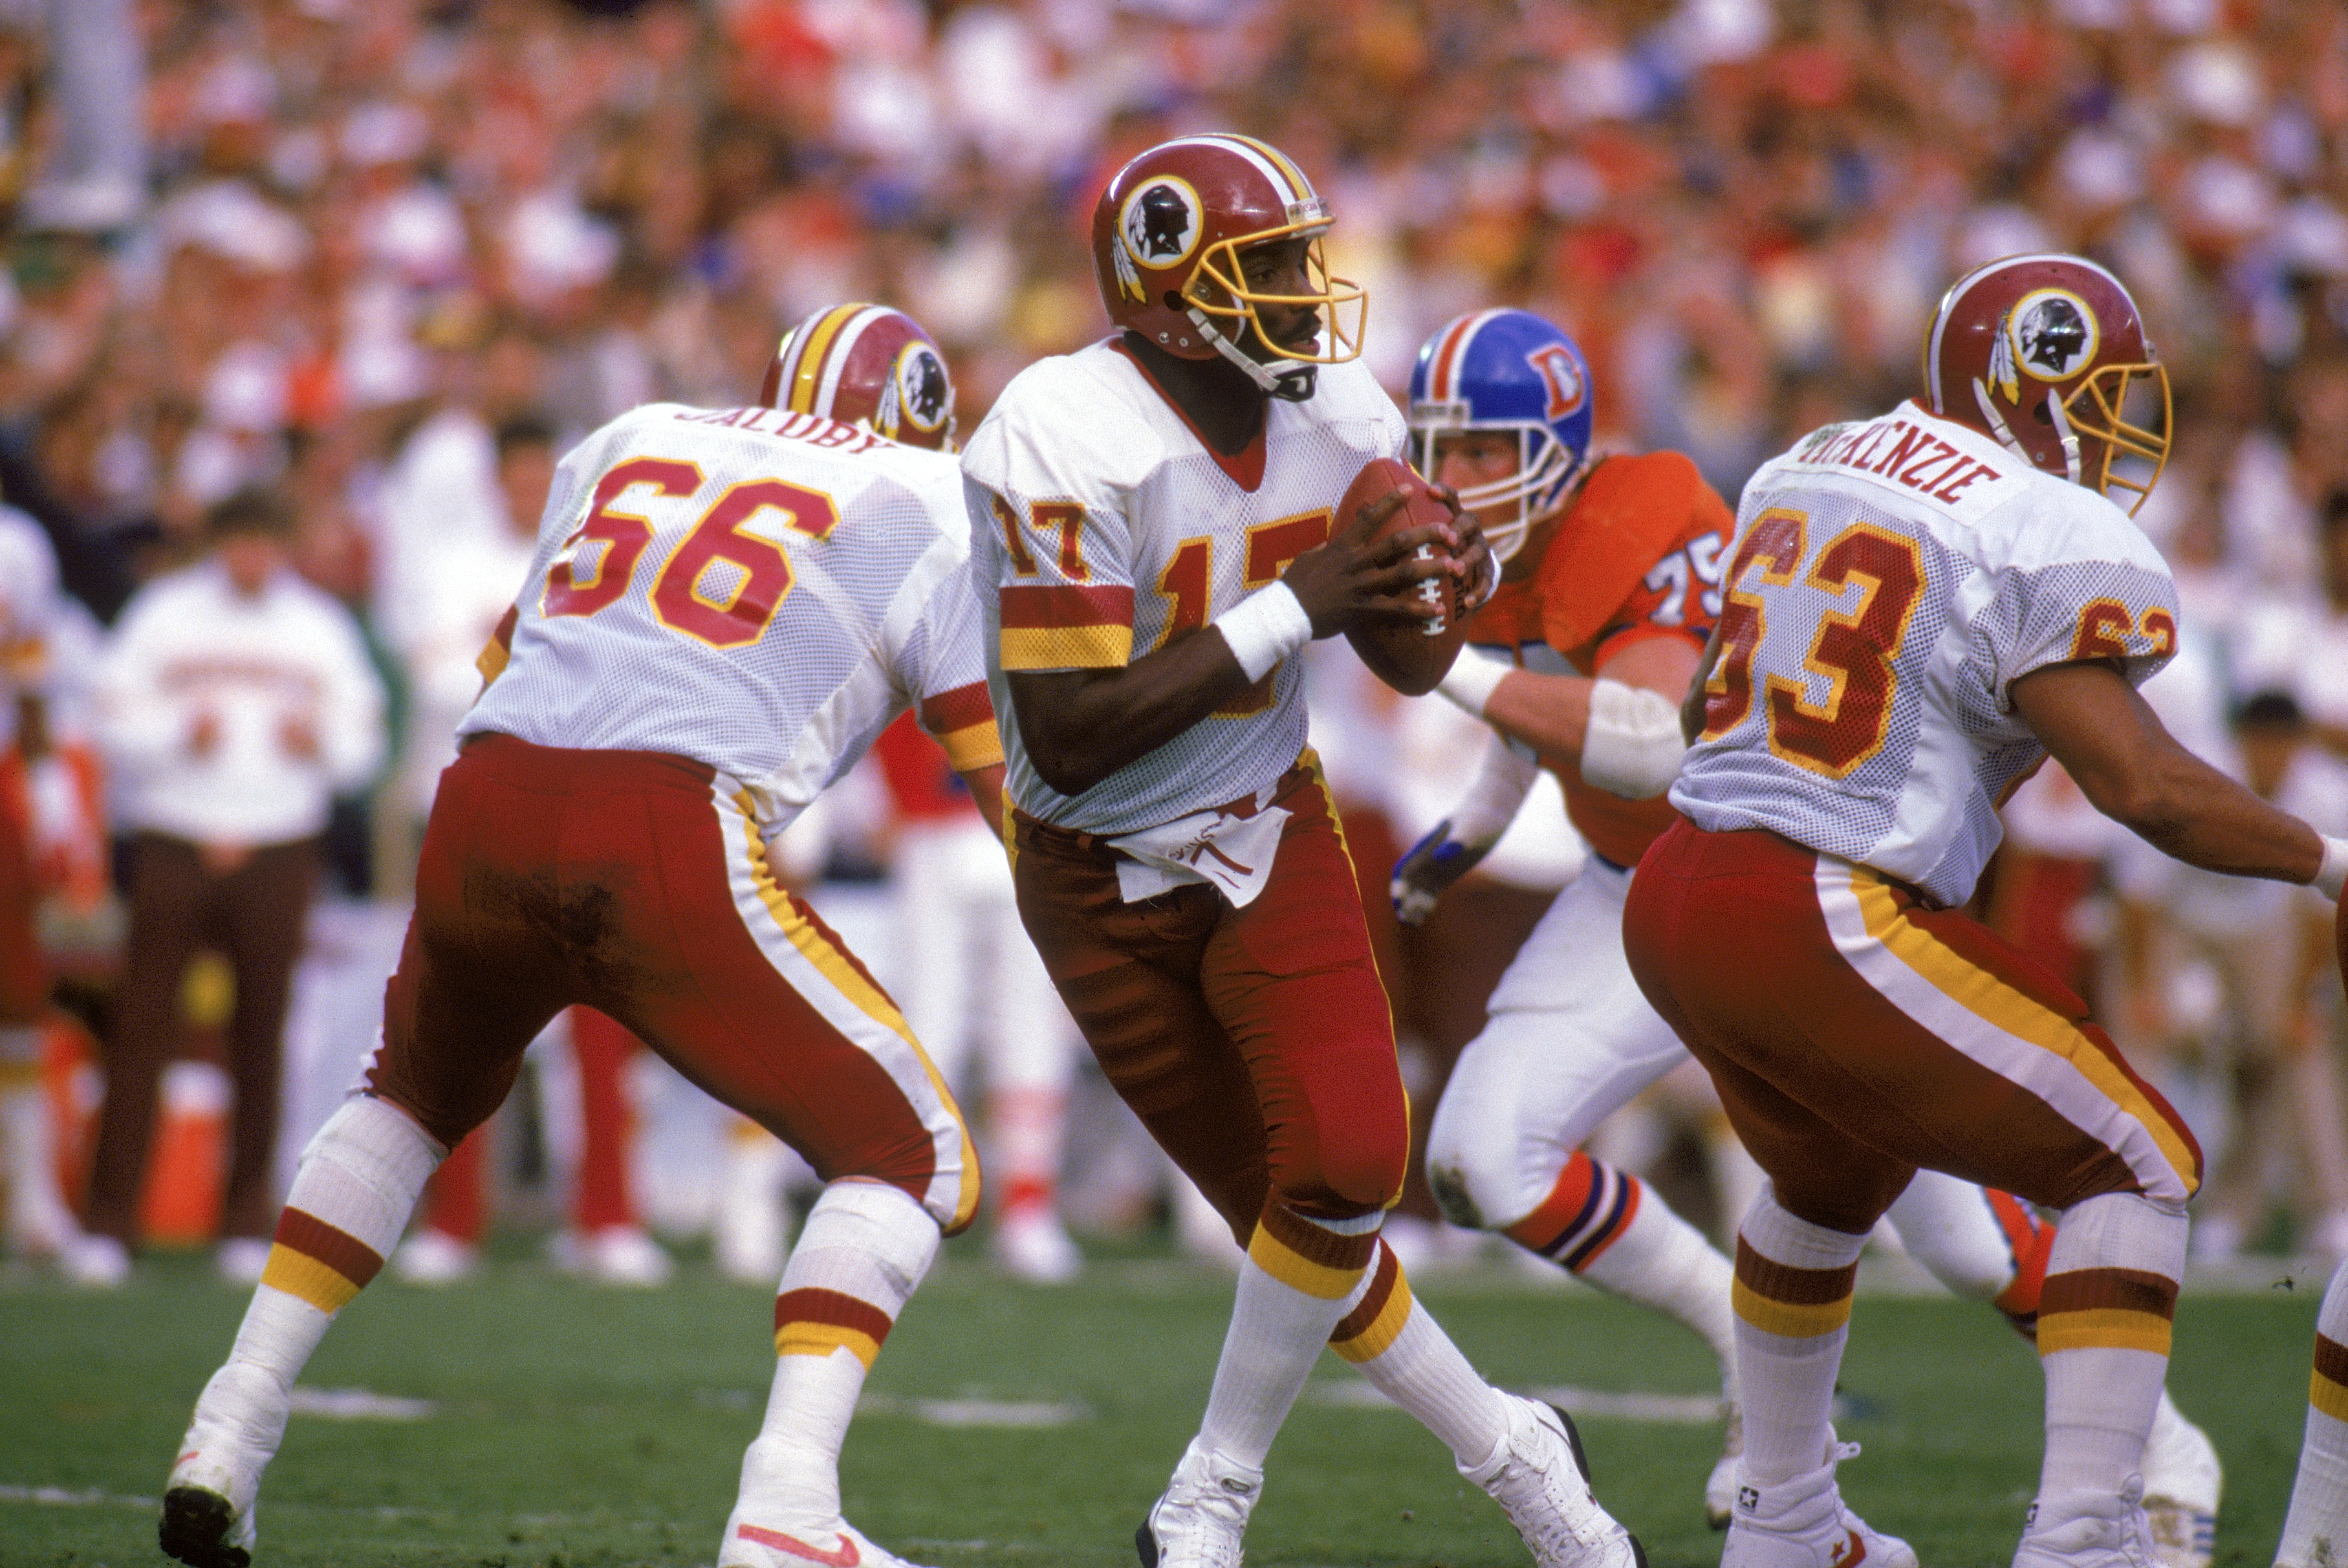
[(2006, 438), (1293, 382), (2064, 433), (1997, 424)]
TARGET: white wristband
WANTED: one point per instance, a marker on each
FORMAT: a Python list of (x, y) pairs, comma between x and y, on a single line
[(2334, 873), (1472, 680), (1264, 628)]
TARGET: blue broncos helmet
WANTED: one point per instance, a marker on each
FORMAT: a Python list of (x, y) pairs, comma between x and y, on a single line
[(1506, 370)]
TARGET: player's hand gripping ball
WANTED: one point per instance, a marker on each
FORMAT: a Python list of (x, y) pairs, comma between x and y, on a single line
[(1409, 654)]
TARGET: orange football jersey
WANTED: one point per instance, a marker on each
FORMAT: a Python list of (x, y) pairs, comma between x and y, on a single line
[(1639, 554)]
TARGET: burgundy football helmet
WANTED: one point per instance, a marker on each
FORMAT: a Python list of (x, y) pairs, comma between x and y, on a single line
[(2042, 352), (1167, 238), (866, 365)]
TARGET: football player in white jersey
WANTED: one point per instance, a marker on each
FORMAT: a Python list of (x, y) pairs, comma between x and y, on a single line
[(1610, 578), (1919, 610), (725, 607), (1177, 857)]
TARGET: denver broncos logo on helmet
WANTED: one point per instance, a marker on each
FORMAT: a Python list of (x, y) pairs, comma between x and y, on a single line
[(1561, 375), (1160, 222), (923, 390)]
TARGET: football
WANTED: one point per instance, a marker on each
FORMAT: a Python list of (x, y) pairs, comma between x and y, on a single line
[(1409, 656)]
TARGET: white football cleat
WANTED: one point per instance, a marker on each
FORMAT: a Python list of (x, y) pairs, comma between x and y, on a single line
[(1803, 1523), (2089, 1529), (94, 1263), (1541, 1478), (434, 1258), (2181, 1483), (242, 1260), (1203, 1514), (836, 1543), (616, 1255), (1720, 1486), (1031, 1244), (208, 1503)]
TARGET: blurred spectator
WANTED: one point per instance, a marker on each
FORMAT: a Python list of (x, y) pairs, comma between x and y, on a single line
[(463, 588), (973, 986), (234, 700)]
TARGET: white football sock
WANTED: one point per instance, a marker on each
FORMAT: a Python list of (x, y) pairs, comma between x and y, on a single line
[(1406, 1356), (359, 1181), (2316, 1527), (1792, 1298), (1660, 1261), (864, 1248), (38, 1220), (2103, 1318), (1298, 1278)]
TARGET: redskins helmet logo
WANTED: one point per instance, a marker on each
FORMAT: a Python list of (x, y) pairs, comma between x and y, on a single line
[(922, 390), (2050, 335), (1157, 227)]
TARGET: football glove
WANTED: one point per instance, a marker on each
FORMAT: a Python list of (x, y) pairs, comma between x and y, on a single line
[(1430, 866)]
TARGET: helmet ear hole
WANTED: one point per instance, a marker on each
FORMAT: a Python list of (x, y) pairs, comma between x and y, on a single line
[(1174, 302), (2038, 411)]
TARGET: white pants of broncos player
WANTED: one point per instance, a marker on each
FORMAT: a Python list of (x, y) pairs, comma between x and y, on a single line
[(1571, 1040)]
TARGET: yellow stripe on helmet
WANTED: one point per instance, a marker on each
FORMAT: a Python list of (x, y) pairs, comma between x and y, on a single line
[(808, 377)]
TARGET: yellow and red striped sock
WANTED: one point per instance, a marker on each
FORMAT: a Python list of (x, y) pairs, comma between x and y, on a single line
[(1403, 1353), (1792, 1298), (359, 1181), (864, 1248), (2316, 1527), (2104, 1317), (1300, 1277)]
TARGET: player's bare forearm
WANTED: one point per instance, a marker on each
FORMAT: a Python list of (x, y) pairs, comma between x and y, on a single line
[(1550, 712), (1081, 726), (2133, 771)]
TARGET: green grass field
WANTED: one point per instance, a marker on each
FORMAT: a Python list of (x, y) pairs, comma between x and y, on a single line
[(575, 1427)]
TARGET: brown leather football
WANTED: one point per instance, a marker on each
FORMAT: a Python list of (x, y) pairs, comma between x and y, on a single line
[(1409, 656)]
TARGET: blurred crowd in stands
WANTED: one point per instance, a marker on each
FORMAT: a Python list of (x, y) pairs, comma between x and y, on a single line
[(384, 260)]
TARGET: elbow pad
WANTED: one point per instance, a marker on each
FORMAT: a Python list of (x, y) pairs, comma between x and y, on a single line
[(1632, 747)]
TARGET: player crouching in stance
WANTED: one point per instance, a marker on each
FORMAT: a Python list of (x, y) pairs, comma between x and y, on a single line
[(1920, 608), (725, 607), (1156, 513), (1610, 583)]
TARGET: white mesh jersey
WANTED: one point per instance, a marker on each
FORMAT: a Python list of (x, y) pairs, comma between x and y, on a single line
[(760, 592), (1107, 528), (1889, 581)]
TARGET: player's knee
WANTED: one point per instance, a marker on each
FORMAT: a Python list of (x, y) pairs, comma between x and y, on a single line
[(1472, 1184), (1355, 1171), (1852, 1209)]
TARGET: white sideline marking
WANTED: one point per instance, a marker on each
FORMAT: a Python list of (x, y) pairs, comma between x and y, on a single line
[(1669, 1409), (58, 1497), (977, 1412), (359, 1405)]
